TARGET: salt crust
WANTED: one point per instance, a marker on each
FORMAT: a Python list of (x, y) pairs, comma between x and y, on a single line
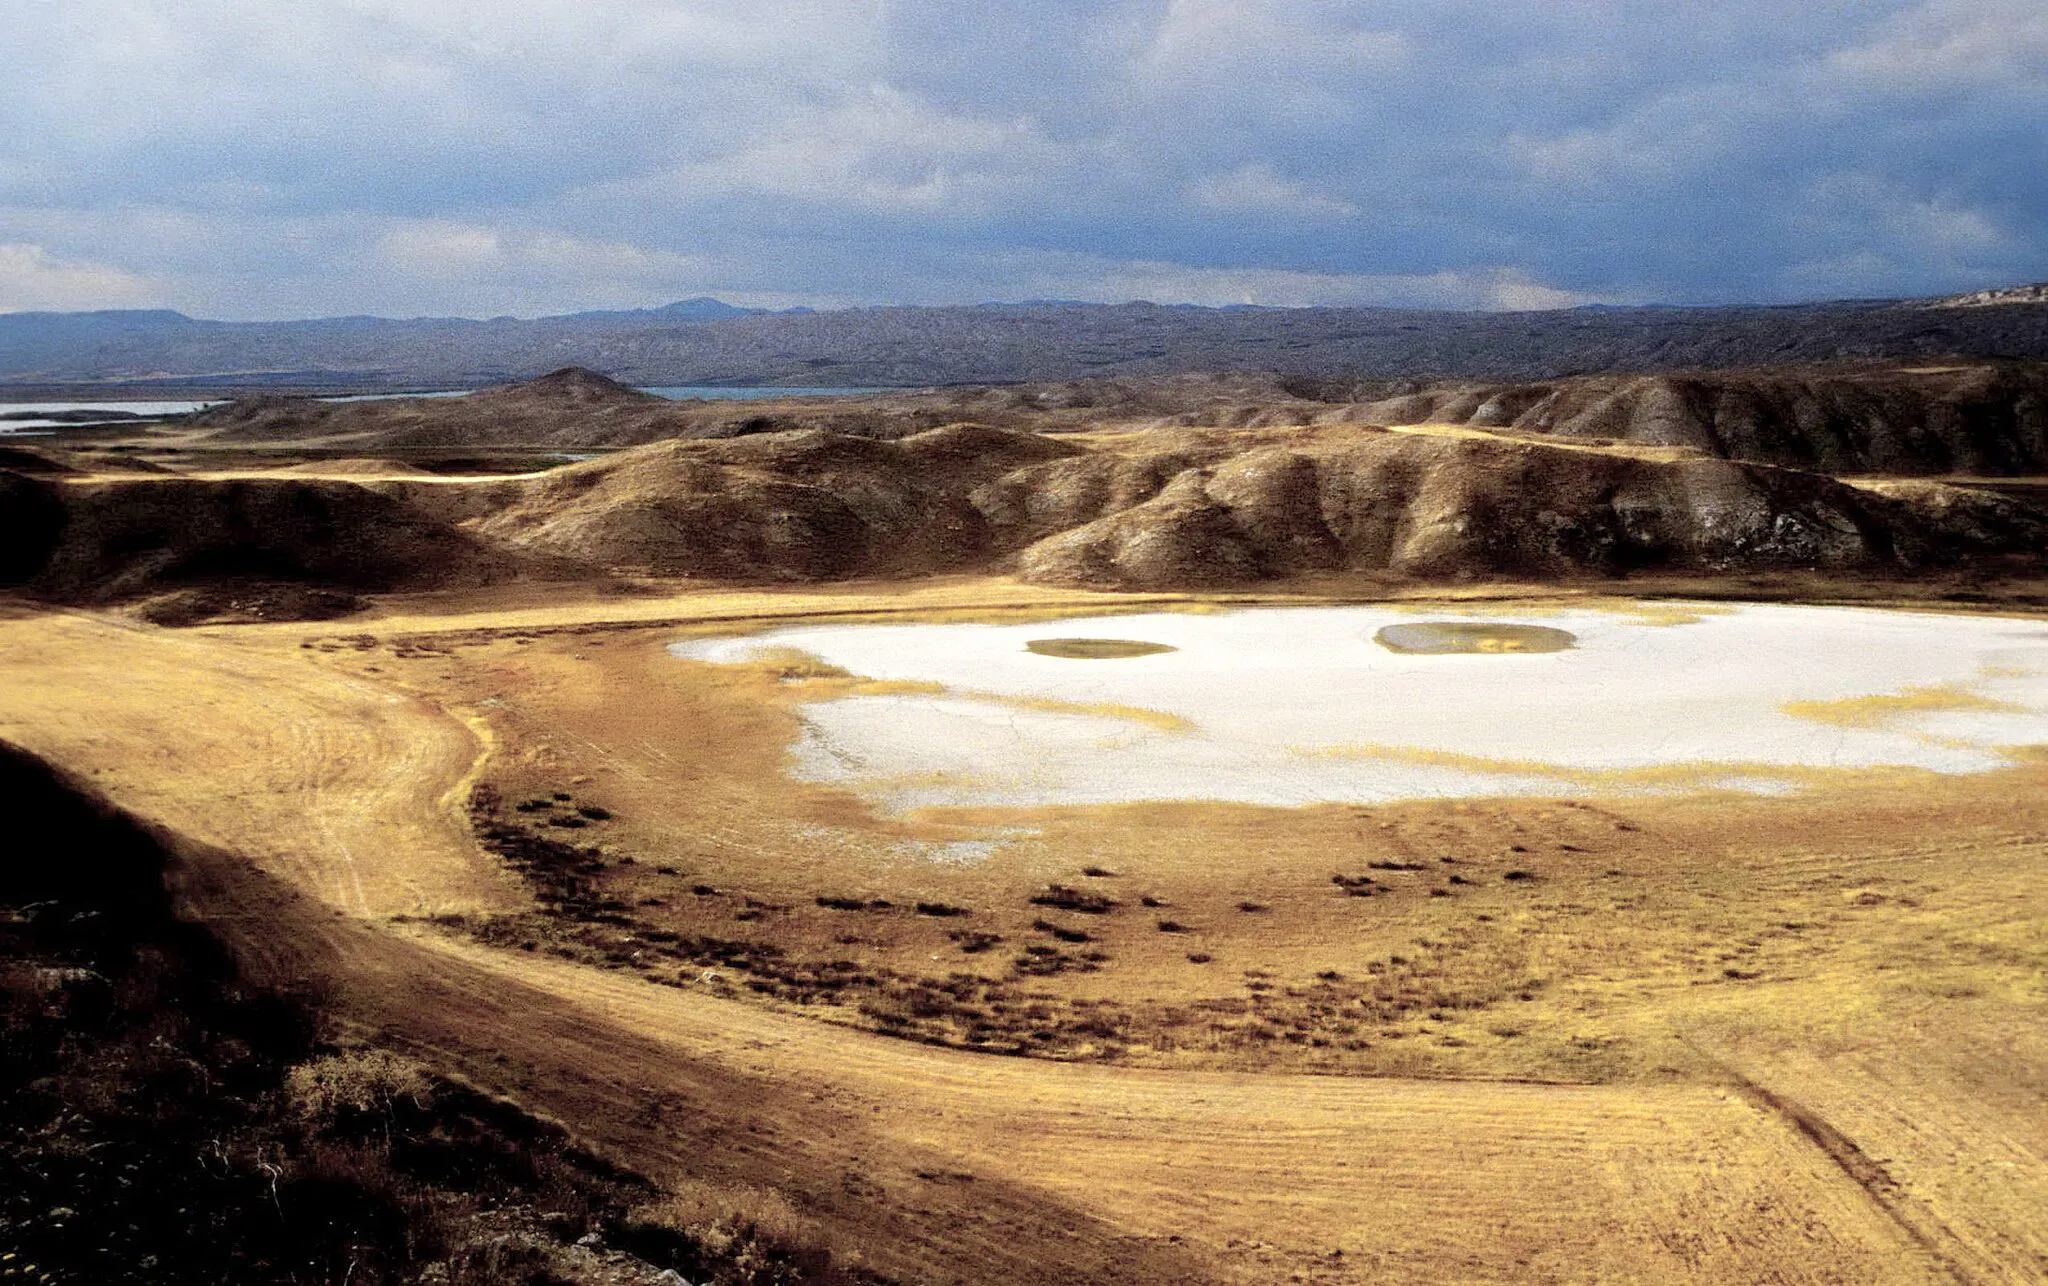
[(1293, 706)]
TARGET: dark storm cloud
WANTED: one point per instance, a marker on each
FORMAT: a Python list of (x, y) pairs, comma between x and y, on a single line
[(243, 159)]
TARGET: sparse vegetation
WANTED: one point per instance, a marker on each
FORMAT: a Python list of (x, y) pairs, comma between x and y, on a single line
[(1071, 899), (162, 1121)]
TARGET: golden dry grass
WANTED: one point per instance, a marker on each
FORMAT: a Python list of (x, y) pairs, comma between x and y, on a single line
[(1701, 1038), (1876, 711), (1162, 720), (1604, 446)]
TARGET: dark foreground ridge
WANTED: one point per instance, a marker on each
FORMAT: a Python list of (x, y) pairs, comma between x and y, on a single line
[(163, 1121)]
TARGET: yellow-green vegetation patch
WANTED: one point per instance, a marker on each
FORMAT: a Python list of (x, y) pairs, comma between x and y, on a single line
[(1096, 649), (1651, 778), (1447, 638), (1875, 711), (793, 664), (1163, 720)]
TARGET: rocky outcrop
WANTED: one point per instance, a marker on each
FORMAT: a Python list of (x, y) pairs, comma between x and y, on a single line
[(114, 541), (569, 407), (806, 505)]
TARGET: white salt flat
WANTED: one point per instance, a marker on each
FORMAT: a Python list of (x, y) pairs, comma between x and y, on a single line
[(1291, 706)]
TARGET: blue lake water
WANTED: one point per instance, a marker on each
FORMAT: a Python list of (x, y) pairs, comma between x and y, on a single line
[(34, 425), (673, 392)]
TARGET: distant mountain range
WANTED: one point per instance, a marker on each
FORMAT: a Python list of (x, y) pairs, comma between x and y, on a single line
[(706, 341)]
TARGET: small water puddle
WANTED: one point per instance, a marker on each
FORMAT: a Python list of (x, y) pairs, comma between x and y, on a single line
[(1095, 649), (1449, 638)]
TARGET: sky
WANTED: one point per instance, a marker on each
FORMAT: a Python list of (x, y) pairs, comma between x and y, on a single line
[(264, 159)]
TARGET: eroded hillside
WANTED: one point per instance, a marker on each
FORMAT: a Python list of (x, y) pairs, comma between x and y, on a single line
[(1159, 509), (1977, 418)]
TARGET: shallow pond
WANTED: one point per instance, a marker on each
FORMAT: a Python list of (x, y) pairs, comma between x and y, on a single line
[(1095, 649), (1292, 706), (1443, 638)]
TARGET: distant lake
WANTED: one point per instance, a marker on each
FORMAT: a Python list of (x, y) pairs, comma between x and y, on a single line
[(32, 421), (675, 393)]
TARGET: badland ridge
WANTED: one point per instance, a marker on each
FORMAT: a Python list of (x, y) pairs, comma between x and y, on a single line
[(293, 506)]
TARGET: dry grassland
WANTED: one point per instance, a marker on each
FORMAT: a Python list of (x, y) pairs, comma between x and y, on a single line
[(1709, 1038)]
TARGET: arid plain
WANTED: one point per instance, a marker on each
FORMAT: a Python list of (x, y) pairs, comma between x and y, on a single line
[(1614, 1033)]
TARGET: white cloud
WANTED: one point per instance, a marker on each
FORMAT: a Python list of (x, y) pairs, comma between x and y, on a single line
[(1084, 277), (657, 34), (1231, 68), (535, 265), (1882, 233), (884, 150), (1256, 188), (1206, 39), (352, 264), (1938, 226), (436, 249), (471, 268), (33, 280), (1949, 45)]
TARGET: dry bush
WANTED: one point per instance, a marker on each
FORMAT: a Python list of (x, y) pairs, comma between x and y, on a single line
[(359, 1081), (723, 1217)]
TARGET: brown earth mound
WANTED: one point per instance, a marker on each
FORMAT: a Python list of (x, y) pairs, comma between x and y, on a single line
[(789, 506), (571, 406), (22, 460), (31, 518), (569, 409), (268, 541), (571, 386)]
